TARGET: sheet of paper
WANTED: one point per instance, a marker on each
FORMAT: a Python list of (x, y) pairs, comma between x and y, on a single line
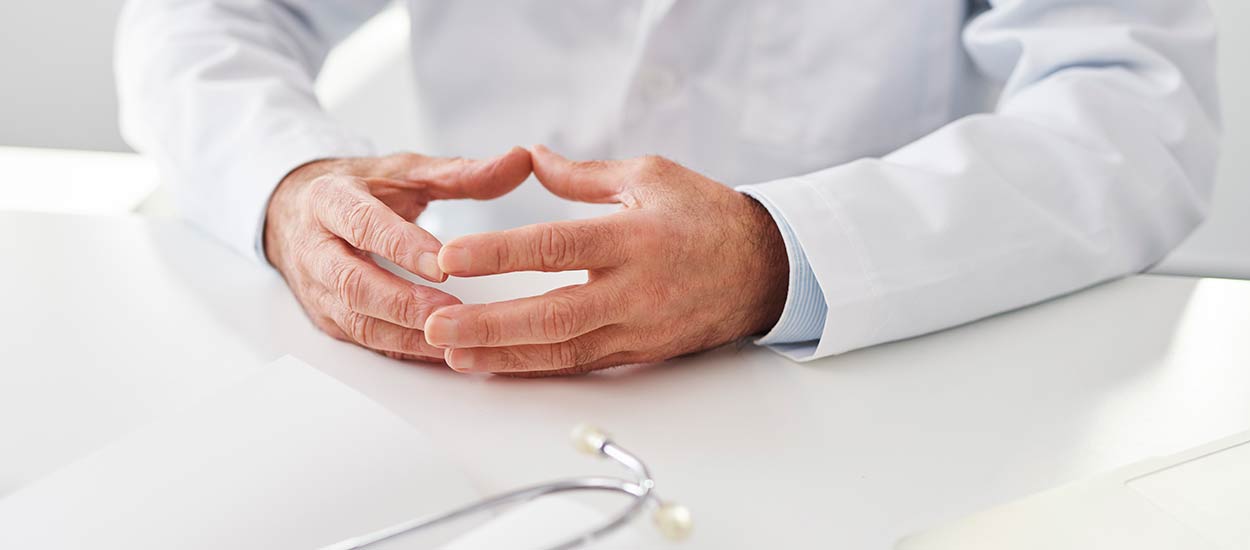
[(1210, 494), (289, 458)]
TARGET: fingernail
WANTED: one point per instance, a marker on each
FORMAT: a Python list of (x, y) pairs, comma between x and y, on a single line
[(427, 266), (441, 330), (454, 259), (460, 360)]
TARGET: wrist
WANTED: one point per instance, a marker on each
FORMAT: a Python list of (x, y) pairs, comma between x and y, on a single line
[(768, 267), (282, 203)]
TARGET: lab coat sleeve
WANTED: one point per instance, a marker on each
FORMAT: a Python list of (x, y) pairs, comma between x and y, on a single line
[(220, 94), (1097, 160)]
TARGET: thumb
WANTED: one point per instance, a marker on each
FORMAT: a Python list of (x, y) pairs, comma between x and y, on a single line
[(598, 181), (459, 178)]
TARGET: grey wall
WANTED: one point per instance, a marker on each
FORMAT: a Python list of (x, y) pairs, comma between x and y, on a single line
[(56, 74)]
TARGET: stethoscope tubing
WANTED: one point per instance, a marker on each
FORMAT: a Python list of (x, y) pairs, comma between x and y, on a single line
[(641, 490)]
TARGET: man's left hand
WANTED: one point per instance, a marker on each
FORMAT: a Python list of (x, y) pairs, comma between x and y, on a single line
[(688, 264)]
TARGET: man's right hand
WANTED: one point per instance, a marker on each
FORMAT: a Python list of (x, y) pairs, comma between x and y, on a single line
[(326, 216)]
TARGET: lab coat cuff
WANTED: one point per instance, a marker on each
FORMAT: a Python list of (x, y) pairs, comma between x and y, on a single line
[(854, 309), (275, 166), (803, 316)]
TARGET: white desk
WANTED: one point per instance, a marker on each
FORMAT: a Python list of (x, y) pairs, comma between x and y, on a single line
[(79, 182), (109, 321)]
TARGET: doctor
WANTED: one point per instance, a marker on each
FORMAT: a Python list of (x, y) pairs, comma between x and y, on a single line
[(826, 175)]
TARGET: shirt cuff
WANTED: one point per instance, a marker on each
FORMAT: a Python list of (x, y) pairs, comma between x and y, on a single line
[(803, 318)]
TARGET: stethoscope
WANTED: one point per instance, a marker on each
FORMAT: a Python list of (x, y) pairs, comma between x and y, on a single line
[(671, 520)]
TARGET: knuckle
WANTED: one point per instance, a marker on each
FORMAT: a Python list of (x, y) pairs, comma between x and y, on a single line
[(650, 235), (659, 293), (390, 244), (613, 303), (321, 189), (409, 311), (304, 252), (651, 168), (359, 218), (591, 166), (412, 341), (505, 260), (608, 240), (556, 247), (558, 319), (359, 328), (585, 352), (490, 330), (513, 361), (564, 355), (409, 159), (654, 163), (347, 280)]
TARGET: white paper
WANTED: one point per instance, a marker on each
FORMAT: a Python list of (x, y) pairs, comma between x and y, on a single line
[(1210, 494), (289, 458)]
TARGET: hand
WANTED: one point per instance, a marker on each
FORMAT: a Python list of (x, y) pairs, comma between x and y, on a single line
[(326, 216), (687, 265)]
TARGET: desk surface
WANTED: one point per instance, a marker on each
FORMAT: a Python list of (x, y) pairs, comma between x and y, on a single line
[(110, 321)]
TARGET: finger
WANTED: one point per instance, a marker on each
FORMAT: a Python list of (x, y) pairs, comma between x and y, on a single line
[(557, 246), (576, 355), (556, 316), (379, 335), (406, 357), (459, 178), (612, 360), (344, 207), (597, 181), (362, 286)]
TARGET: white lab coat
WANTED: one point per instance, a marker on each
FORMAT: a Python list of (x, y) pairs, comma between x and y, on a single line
[(936, 160)]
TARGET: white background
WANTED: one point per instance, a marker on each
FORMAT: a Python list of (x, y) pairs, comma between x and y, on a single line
[(57, 90)]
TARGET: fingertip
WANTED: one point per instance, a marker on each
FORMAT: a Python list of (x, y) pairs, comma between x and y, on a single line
[(495, 177), (455, 259), (428, 267), (517, 163), (544, 160), (441, 328), (542, 153), (516, 154), (460, 360)]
